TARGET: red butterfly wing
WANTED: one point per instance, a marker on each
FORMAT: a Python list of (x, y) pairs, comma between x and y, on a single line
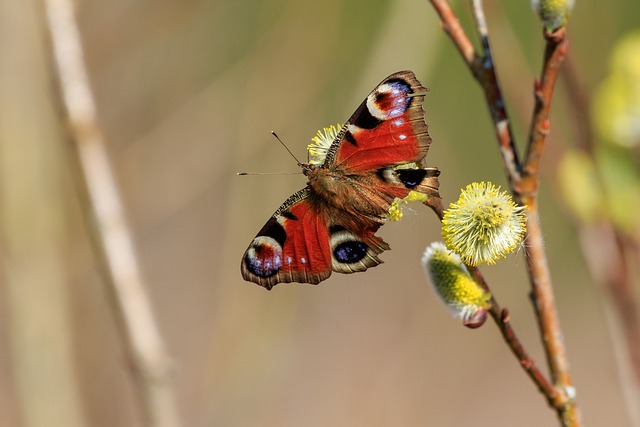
[(388, 128), (301, 242), (293, 246)]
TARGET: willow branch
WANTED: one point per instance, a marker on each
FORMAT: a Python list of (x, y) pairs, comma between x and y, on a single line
[(526, 192), (555, 52), (503, 321), (452, 27), (483, 70), (524, 184), (140, 332)]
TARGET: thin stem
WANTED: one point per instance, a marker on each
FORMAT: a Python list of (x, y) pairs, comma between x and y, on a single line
[(524, 184), (452, 27), (503, 321), (140, 332), (526, 192), (481, 20), (483, 70), (555, 52), (545, 307)]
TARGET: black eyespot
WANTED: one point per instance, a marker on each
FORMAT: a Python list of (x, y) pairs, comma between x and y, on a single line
[(350, 252), (411, 177)]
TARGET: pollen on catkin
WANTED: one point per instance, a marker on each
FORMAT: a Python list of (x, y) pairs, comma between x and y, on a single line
[(484, 225), (321, 143), (456, 289)]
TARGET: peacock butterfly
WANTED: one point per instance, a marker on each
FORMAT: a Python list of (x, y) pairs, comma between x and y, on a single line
[(330, 225)]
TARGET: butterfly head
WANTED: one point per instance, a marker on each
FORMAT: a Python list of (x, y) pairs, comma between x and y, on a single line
[(309, 169)]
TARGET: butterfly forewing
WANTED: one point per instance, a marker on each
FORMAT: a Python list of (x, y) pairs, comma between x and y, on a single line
[(388, 128)]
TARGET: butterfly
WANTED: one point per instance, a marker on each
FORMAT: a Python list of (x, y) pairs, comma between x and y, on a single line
[(330, 225)]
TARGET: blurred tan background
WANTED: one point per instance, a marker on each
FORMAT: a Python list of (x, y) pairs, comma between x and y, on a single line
[(187, 92)]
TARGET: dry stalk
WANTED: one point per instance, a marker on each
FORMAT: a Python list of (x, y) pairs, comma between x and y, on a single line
[(139, 329)]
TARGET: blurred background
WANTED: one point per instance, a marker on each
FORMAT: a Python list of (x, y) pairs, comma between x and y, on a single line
[(187, 92)]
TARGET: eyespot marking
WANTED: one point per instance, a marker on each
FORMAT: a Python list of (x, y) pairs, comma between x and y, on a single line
[(350, 252), (411, 177), (264, 257), (390, 99)]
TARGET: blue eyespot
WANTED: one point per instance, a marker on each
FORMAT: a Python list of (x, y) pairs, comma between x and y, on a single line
[(350, 252)]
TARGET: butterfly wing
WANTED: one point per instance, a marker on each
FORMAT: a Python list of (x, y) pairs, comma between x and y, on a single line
[(293, 246), (388, 128), (303, 242), (387, 138)]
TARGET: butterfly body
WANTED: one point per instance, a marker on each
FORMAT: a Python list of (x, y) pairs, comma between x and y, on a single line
[(330, 225), (355, 195)]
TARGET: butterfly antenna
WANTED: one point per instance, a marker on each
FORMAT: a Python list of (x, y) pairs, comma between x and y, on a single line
[(268, 173), (286, 148)]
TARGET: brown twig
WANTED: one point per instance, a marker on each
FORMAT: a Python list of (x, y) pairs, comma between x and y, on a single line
[(526, 193), (555, 53), (524, 184), (452, 27), (140, 333), (483, 70), (503, 321)]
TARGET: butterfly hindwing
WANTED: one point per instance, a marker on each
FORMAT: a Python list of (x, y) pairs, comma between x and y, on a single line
[(354, 250)]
